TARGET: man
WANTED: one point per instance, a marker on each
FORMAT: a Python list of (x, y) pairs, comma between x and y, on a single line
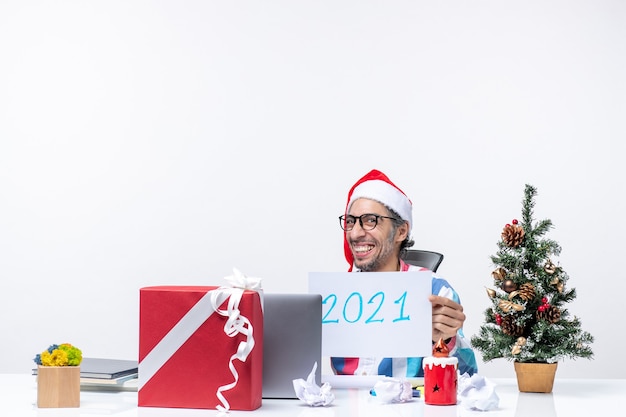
[(377, 225)]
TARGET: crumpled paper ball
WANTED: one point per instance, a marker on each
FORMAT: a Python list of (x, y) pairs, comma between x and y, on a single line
[(477, 393), (312, 394), (393, 390)]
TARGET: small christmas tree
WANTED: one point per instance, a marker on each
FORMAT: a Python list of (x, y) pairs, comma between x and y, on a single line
[(527, 320)]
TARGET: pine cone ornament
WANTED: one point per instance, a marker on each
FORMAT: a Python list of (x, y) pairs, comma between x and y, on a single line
[(512, 235), (526, 291), (510, 327), (551, 314)]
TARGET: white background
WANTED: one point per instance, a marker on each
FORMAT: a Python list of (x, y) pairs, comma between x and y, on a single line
[(166, 142)]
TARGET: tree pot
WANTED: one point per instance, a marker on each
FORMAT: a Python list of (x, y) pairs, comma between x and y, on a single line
[(58, 386), (535, 377)]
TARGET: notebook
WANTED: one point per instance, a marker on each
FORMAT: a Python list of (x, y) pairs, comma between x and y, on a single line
[(292, 341), (107, 368)]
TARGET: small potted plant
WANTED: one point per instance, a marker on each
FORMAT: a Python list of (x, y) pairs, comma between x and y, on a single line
[(527, 321), (58, 376)]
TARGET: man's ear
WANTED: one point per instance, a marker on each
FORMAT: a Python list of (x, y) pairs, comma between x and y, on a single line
[(402, 232)]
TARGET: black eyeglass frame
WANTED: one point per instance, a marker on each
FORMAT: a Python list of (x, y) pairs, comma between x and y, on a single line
[(377, 217)]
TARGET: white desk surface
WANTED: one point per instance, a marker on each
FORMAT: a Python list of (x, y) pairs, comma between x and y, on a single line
[(570, 397)]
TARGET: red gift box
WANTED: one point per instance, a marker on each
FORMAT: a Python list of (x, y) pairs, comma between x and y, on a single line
[(184, 352)]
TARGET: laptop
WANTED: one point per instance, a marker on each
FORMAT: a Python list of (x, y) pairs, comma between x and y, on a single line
[(292, 341), (103, 368)]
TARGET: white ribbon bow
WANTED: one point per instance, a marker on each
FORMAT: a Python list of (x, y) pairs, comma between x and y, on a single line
[(235, 324), (239, 280)]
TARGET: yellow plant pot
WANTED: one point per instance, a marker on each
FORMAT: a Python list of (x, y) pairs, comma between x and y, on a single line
[(58, 386), (535, 377)]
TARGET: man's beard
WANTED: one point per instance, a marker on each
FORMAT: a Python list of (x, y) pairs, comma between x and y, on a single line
[(377, 262)]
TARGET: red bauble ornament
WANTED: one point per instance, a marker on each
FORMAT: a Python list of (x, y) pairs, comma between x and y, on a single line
[(542, 308), (544, 300), (514, 221), (498, 319)]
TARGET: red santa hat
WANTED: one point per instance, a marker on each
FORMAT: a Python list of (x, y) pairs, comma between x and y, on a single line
[(377, 186)]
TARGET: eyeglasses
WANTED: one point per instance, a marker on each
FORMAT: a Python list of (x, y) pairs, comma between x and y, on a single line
[(367, 221)]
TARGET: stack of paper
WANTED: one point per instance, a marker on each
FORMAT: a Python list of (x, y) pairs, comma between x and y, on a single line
[(100, 372)]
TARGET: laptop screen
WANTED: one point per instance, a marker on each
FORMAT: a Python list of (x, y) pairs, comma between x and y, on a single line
[(292, 341)]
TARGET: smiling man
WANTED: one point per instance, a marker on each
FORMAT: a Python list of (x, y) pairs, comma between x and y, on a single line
[(377, 229)]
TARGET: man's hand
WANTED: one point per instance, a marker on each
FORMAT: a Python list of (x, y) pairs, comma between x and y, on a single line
[(448, 317)]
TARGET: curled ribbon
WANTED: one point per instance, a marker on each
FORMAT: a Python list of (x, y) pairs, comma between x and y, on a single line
[(235, 324)]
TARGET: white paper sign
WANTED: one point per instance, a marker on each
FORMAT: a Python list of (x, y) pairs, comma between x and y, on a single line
[(375, 314)]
